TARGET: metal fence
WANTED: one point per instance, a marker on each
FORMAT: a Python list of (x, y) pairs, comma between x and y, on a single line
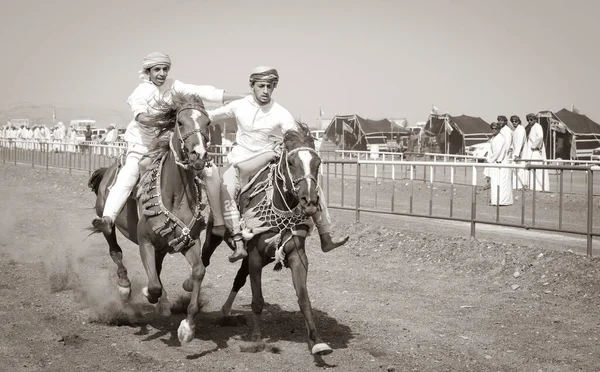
[(454, 191), (449, 190)]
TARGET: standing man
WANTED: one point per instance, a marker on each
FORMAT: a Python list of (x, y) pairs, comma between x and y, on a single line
[(519, 139), (500, 178), (258, 116), (535, 150)]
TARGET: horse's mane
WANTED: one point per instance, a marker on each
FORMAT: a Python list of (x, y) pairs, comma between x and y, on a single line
[(165, 115), (300, 135)]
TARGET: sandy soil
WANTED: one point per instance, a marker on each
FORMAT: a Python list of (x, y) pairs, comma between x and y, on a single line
[(401, 296)]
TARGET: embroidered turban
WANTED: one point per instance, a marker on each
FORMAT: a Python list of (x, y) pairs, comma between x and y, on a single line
[(531, 116), (151, 60), (495, 126), (515, 119), (502, 118), (264, 73), (155, 58)]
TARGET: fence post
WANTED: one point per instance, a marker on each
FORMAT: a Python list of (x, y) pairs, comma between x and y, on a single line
[(473, 201), (90, 159), (560, 201), (590, 178), (47, 155), (357, 191)]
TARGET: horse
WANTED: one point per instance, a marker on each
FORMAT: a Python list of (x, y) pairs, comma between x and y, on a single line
[(164, 215), (276, 206)]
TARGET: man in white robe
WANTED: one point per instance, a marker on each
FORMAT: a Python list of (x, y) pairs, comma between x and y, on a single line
[(520, 180), (535, 150), (500, 178)]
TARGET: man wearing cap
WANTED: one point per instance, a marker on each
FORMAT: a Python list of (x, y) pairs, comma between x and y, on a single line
[(536, 150), (519, 137), (154, 87), (258, 116), (506, 129), (500, 178)]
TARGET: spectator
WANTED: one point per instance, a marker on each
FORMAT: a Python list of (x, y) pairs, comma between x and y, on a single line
[(536, 150), (500, 178)]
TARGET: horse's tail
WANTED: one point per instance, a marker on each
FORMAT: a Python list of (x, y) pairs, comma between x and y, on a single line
[(96, 178)]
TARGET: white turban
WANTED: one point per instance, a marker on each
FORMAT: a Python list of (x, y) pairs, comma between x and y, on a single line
[(151, 60)]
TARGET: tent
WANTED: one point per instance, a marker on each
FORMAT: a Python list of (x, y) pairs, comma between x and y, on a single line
[(352, 132), (568, 134), (455, 133)]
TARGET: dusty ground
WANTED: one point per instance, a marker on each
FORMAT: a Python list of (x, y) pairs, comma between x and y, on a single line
[(401, 296)]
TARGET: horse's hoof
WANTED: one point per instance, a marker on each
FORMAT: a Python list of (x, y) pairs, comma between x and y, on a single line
[(146, 294), (321, 349), (124, 292), (185, 333)]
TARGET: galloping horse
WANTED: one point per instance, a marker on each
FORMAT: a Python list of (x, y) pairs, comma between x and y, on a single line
[(164, 216), (276, 206)]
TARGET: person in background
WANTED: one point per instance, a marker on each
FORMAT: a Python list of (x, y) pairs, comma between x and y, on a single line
[(520, 180), (535, 151), (500, 178)]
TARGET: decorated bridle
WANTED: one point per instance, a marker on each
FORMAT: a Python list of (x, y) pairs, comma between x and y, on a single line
[(184, 161), (295, 181)]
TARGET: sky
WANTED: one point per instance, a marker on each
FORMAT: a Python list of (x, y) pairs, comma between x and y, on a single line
[(376, 58)]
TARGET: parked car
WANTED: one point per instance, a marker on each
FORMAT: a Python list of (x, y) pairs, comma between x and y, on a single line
[(479, 150), (596, 154)]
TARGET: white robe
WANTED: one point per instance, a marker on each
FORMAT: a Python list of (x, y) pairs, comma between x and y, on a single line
[(521, 175), (500, 178), (536, 150)]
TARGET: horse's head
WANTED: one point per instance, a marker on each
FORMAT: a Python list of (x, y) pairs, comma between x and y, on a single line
[(302, 163), (186, 117), (191, 129)]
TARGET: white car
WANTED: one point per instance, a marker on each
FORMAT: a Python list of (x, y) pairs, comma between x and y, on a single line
[(479, 150), (595, 154)]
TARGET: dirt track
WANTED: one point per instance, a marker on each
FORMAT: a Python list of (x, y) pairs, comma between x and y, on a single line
[(396, 298)]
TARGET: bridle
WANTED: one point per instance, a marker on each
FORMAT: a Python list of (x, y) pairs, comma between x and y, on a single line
[(184, 161), (295, 181)]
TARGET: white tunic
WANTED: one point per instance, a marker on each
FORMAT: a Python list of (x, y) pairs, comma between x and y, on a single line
[(519, 138), (500, 178), (536, 150), (255, 124), (147, 94)]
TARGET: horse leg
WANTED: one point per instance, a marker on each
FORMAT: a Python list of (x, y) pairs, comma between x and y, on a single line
[(238, 283), (211, 242), (255, 263), (163, 306), (298, 263), (116, 253), (154, 289), (187, 327)]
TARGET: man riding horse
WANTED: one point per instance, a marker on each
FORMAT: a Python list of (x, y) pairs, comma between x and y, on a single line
[(258, 117), (139, 135)]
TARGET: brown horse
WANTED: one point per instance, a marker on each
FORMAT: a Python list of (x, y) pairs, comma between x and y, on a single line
[(164, 216), (276, 206)]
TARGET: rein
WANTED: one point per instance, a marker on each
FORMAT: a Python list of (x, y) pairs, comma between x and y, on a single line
[(183, 161)]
